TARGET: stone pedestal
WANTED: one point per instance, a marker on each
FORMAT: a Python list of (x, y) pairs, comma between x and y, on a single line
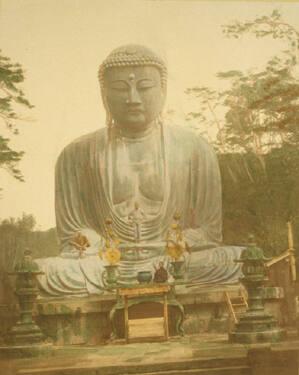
[(26, 331), (85, 320), (255, 325)]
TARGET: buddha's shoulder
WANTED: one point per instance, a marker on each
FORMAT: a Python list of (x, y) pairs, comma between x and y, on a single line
[(188, 137), (86, 140)]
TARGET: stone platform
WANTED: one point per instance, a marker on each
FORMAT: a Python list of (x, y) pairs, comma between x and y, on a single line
[(81, 321), (85, 321), (205, 354)]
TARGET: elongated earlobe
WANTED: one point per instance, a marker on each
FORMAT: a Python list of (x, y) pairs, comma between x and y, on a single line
[(159, 119)]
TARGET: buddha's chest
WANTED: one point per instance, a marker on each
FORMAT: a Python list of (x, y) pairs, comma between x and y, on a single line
[(137, 175)]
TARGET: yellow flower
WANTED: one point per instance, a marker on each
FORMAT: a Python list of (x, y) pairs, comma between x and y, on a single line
[(112, 255)]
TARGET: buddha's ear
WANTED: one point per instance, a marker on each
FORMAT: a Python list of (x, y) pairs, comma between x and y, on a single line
[(164, 94), (105, 99)]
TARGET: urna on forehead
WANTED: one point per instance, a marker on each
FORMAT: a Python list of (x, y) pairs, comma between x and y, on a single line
[(133, 55)]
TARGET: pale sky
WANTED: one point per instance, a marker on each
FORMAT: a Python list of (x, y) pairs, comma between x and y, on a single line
[(60, 44)]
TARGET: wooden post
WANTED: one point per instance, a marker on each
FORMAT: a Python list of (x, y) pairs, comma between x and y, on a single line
[(126, 311), (165, 310), (291, 250)]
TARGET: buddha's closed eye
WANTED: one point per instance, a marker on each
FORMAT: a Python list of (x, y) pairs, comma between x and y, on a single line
[(119, 86), (145, 84)]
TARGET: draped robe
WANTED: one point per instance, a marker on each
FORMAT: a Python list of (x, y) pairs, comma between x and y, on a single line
[(98, 176)]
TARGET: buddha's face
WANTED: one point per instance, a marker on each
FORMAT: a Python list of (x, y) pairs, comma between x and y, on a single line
[(134, 96)]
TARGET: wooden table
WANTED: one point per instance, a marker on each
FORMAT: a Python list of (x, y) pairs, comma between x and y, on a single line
[(142, 295), (159, 292)]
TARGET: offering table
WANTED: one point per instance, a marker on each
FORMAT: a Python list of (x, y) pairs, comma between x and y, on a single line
[(154, 299)]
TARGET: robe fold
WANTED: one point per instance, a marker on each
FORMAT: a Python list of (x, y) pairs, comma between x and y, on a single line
[(91, 180)]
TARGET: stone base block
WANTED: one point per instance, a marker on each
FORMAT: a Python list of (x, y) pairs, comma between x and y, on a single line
[(25, 351), (85, 321), (22, 334), (275, 335)]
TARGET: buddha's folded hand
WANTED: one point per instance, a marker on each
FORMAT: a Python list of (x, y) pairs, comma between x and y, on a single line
[(83, 242), (80, 242)]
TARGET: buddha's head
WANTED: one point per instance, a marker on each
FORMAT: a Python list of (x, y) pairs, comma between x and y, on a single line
[(133, 82)]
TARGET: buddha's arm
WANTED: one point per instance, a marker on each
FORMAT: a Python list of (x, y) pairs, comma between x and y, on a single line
[(206, 221), (71, 215)]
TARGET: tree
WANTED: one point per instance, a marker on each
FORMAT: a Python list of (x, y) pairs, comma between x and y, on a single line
[(17, 235), (261, 108), (208, 102), (256, 120), (11, 99)]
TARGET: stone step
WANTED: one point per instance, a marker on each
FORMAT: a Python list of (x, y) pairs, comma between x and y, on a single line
[(212, 366), (238, 370)]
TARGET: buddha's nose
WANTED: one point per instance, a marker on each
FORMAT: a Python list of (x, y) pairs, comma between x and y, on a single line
[(134, 97)]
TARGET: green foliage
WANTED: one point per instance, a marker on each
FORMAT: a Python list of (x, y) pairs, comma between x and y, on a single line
[(18, 234), (256, 120), (11, 99), (261, 199), (261, 109), (9, 158), (272, 25)]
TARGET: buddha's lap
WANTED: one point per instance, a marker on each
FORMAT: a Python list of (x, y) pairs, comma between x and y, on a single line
[(198, 263)]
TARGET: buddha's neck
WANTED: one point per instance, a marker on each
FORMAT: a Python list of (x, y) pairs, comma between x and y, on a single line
[(134, 134)]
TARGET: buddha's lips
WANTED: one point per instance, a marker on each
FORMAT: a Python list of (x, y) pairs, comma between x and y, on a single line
[(135, 111)]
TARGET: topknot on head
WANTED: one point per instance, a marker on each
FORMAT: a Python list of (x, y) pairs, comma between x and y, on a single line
[(133, 55)]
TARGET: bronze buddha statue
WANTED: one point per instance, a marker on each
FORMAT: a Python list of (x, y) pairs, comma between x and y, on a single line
[(136, 161)]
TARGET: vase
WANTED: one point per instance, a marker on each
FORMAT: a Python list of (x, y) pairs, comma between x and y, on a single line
[(110, 276), (177, 269)]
